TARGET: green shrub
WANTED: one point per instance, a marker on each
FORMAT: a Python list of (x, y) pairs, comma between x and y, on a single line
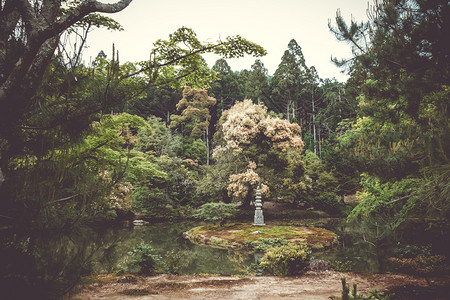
[(216, 212), (411, 251), (418, 260), (327, 202), (144, 257), (342, 265), (285, 260)]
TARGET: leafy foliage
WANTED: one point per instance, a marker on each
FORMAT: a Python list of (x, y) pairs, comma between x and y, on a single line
[(421, 264), (321, 185), (194, 107), (400, 64), (419, 260), (286, 260), (382, 198), (177, 61), (216, 212)]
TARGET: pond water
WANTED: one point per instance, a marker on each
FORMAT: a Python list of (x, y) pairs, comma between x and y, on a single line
[(100, 250)]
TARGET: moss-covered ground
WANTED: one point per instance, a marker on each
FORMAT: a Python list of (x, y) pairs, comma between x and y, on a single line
[(238, 234)]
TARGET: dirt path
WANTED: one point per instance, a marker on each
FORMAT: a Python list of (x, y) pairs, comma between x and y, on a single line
[(312, 285)]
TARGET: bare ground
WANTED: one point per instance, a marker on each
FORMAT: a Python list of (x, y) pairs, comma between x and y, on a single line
[(312, 285)]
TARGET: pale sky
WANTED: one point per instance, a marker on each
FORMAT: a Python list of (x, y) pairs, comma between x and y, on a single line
[(270, 23)]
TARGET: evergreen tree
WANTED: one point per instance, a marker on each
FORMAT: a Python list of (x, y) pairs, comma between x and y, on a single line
[(257, 84), (158, 101), (288, 84), (226, 90), (401, 66)]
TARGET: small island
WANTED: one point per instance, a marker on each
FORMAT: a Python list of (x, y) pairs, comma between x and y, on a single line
[(241, 235)]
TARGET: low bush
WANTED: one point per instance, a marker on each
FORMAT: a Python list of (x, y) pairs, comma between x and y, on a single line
[(342, 265), (143, 256), (411, 251), (286, 260), (327, 202), (419, 260), (216, 212)]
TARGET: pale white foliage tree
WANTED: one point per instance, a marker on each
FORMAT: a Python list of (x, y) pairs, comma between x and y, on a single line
[(242, 124), (283, 134), (241, 184), (250, 133)]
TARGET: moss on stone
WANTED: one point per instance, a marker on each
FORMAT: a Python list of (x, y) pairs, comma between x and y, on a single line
[(235, 235)]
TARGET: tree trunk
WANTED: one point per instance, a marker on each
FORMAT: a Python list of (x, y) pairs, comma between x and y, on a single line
[(288, 109), (207, 146), (320, 142), (314, 122), (247, 200)]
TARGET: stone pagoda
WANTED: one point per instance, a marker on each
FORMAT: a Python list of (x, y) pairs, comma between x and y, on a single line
[(259, 217)]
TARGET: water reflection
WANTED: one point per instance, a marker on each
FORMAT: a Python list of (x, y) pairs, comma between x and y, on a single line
[(47, 265), (360, 248), (196, 259)]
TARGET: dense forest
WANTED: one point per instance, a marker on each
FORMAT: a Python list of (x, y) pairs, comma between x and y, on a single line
[(84, 144)]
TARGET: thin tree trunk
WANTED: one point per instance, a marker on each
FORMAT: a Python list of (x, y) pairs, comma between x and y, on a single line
[(293, 111), (314, 122), (287, 109), (207, 146), (320, 142)]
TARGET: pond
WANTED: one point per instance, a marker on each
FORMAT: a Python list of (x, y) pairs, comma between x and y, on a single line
[(106, 249)]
